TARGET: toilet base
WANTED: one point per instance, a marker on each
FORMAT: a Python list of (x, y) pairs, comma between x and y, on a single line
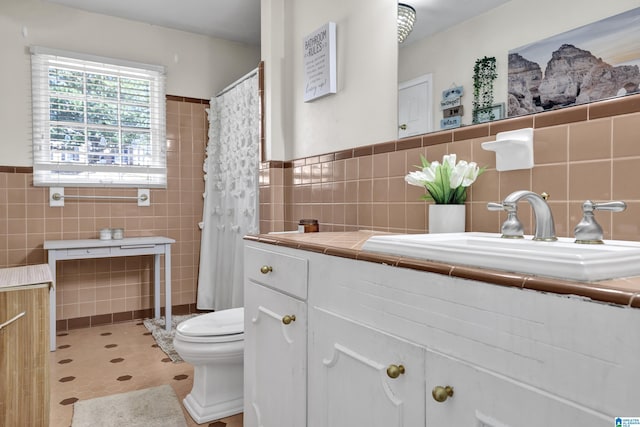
[(218, 389), (218, 386), (202, 414)]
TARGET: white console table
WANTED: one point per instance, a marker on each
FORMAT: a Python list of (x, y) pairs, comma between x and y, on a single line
[(59, 250)]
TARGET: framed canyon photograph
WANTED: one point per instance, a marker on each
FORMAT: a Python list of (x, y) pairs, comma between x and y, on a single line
[(596, 61)]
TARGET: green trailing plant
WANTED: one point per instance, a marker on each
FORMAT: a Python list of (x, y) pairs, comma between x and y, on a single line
[(484, 74)]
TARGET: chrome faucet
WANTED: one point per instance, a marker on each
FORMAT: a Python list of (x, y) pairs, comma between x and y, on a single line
[(512, 228)]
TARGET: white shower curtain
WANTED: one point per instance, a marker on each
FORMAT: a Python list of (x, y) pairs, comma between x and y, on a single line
[(231, 195)]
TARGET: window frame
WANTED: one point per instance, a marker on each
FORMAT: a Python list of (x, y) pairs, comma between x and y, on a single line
[(151, 172)]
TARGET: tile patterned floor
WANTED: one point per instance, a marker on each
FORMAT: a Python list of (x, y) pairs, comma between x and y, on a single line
[(111, 359)]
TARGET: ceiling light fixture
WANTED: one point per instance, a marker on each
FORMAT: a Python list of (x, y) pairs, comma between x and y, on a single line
[(406, 18)]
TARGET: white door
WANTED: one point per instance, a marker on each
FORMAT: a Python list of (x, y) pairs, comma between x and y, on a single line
[(352, 382), (415, 105), (486, 399), (275, 359)]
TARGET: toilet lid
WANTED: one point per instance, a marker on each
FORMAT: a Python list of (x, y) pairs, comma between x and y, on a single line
[(217, 323)]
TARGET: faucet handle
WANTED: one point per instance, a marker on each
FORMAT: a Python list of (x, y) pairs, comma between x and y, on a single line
[(615, 206), (512, 227), (588, 230), (495, 206)]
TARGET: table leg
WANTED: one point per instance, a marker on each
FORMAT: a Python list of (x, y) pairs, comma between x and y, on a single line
[(156, 285), (167, 285)]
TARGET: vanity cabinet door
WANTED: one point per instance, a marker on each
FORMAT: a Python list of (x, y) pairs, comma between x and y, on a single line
[(486, 399), (349, 381), (275, 359)]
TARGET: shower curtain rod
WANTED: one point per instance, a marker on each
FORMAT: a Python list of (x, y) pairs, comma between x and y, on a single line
[(237, 82)]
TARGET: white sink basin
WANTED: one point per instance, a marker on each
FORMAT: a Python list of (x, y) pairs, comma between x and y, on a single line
[(562, 259)]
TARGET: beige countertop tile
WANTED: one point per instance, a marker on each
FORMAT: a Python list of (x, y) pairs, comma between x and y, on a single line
[(625, 291)]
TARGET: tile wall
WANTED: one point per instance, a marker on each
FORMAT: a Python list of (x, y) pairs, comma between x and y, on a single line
[(583, 152), (113, 289)]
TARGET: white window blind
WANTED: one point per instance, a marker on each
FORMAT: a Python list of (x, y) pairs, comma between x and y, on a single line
[(97, 122)]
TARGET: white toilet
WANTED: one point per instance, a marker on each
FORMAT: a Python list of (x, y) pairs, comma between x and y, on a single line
[(214, 344)]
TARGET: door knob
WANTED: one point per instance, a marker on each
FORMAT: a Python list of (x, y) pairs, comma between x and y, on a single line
[(288, 319), (394, 371), (403, 126), (440, 394), (266, 269)]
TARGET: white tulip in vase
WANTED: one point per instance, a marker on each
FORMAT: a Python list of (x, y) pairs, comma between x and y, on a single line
[(446, 184)]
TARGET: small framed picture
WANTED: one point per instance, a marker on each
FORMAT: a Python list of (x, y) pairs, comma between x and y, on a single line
[(320, 62), (495, 112)]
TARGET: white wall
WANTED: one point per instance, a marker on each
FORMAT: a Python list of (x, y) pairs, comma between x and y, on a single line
[(272, 41), (363, 111), (197, 66), (450, 55)]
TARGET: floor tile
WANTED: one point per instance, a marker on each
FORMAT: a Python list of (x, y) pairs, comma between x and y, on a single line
[(110, 359)]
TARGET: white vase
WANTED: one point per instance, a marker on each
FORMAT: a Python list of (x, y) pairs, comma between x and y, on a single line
[(446, 218)]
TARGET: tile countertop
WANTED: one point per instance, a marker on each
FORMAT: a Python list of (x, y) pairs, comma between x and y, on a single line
[(625, 291)]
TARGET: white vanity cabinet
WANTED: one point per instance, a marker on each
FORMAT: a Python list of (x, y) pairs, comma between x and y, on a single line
[(484, 398), (359, 376), (275, 338), (512, 357)]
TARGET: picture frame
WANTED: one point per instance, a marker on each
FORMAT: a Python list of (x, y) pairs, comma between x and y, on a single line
[(597, 61), (319, 53), (495, 112)]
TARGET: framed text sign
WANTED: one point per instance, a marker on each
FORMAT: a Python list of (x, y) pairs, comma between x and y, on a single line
[(320, 62)]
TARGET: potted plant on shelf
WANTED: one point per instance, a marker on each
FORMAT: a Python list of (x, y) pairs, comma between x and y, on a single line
[(484, 74), (446, 184)]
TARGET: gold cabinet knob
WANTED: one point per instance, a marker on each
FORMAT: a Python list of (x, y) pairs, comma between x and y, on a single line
[(394, 371), (265, 269), (440, 394), (288, 319)]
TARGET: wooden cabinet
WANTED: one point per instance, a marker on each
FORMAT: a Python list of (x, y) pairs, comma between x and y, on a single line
[(24, 354), (275, 340), (359, 376)]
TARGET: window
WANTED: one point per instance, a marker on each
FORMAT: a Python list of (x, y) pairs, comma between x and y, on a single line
[(97, 121)]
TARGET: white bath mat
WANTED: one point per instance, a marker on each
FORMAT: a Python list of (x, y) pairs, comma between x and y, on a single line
[(157, 406)]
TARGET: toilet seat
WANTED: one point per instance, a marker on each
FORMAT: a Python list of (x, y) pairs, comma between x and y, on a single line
[(218, 326)]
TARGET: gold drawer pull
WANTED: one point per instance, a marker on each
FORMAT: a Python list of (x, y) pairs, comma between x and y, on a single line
[(394, 371), (288, 319), (266, 269), (440, 394)]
